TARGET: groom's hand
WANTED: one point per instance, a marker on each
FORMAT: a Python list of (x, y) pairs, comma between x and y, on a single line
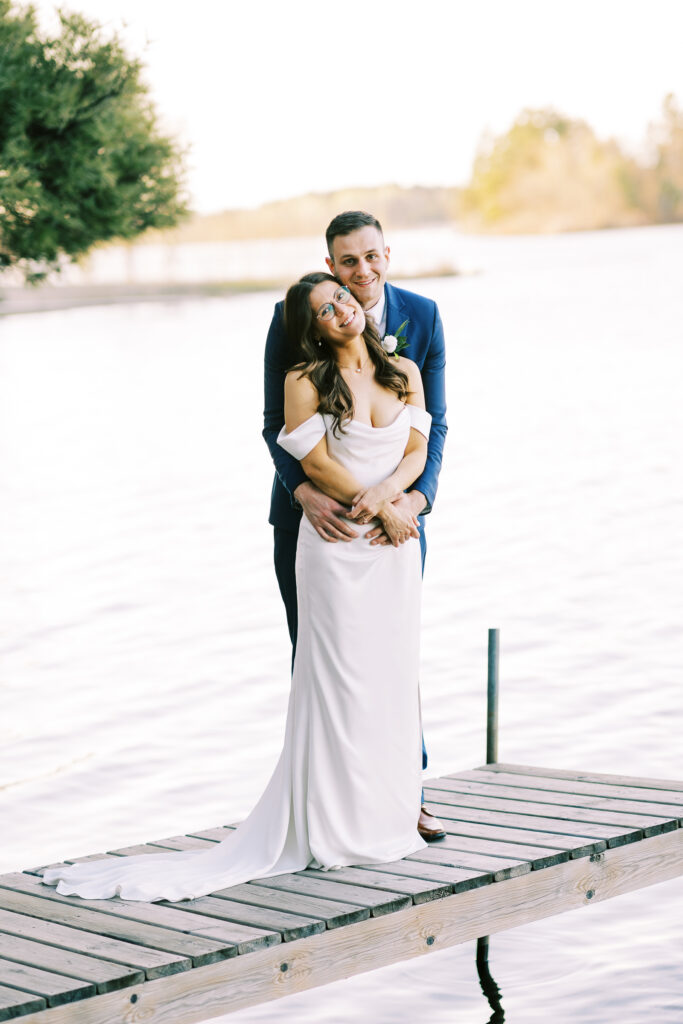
[(325, 514), (404, 506)]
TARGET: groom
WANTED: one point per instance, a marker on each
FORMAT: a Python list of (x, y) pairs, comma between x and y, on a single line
[(359, 258)]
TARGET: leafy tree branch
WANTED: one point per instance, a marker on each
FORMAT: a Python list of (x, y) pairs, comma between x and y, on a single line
[(82, 158)]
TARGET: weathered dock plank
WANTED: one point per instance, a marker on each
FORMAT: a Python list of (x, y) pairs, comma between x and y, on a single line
[(552, 784), (444, 853), (152, 963), (72, 860), (440, 854), (201, 915), (502, 789), (334, 913), (378, 902), (538, 856), (418, 889), (414, 931), (155, 947), (217, 834), (15, 1002), (181, 843), (446, 806), (458, 878), (105, 975), (520, 844), (290, 925), (578, 776), (650, 824), (414, 887), (244, 939), (285, 900), (54, 988), (578, 846)]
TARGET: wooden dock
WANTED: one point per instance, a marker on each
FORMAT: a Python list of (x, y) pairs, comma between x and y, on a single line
[(523, 843)]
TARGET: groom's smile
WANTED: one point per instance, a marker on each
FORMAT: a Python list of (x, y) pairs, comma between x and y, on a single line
[(360, 260)]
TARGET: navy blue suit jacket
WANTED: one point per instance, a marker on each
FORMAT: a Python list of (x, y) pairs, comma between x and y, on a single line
[(424, 334)]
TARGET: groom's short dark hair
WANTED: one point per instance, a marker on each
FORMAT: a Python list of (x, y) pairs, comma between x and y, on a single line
[(345, 223)]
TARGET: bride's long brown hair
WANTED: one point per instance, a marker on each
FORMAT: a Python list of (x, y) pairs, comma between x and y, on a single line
[(310, 353)]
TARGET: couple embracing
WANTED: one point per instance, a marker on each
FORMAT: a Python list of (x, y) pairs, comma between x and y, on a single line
[(356, 432)]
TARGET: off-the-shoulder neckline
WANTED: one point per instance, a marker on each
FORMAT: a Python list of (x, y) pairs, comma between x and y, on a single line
[(370, 426)]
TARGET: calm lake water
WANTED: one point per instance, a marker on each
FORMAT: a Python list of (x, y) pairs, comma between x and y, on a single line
[(144, 649)]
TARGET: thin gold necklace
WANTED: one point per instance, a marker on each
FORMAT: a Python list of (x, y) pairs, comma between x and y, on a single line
[(356, 369)]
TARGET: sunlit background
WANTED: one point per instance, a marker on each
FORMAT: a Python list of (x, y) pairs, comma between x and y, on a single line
[(277, 100), (144, 645)]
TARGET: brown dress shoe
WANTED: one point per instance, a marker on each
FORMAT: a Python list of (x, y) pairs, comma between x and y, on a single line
[(429, 827)]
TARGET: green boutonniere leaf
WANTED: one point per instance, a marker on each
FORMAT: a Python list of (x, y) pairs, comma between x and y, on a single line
[(395, 343)]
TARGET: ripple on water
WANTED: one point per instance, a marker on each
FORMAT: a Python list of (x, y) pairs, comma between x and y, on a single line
[(146, 660)]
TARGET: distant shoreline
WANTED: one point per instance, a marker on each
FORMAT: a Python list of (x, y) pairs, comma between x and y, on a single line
[(51, 298)]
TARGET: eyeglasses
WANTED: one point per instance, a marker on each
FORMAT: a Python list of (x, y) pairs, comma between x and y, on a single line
[(327, 311)]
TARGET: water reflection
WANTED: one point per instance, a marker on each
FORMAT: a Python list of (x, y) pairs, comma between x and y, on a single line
[(488, 985), (126, 434)]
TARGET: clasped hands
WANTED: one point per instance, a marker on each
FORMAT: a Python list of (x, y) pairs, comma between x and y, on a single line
[(333, 521), (382, 502)]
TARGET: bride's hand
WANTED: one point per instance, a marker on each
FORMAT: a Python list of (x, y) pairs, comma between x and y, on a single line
[(397, 528), (366, 504)]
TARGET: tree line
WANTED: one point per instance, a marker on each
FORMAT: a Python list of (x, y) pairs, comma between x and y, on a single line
[(546, 173), (549, 172), (83, 161)]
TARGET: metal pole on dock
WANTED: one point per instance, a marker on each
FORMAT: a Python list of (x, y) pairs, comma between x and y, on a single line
[(492, 701), (489, 987)]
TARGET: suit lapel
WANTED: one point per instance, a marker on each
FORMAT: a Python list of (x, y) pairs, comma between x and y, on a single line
[(396, 313)]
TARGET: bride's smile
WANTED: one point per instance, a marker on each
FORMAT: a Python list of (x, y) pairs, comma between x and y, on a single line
[(339, 317)]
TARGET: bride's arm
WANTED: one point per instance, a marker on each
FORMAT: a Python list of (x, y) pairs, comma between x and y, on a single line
[(373, 501), (301, 402)]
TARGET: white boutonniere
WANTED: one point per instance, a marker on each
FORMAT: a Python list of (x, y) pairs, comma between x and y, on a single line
[(395, 343)]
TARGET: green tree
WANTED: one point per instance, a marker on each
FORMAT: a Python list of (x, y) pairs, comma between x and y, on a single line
[(500, 162), (549, 172), (82, 159)]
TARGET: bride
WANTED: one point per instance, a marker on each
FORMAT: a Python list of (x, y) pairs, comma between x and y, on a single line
[(346, 789)]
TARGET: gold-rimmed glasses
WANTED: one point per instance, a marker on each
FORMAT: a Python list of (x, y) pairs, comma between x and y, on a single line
[(340, 297)]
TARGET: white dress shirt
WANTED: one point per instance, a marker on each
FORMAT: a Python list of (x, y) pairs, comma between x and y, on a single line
[(378, 312)]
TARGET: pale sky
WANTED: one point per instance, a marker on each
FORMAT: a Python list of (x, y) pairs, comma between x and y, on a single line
[(278, 98)]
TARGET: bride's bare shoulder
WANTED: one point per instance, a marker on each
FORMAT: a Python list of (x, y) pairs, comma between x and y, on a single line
[(301, 398), (298, 384)]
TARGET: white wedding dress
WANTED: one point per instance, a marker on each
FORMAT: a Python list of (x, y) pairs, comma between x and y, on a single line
[(346, 789)]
